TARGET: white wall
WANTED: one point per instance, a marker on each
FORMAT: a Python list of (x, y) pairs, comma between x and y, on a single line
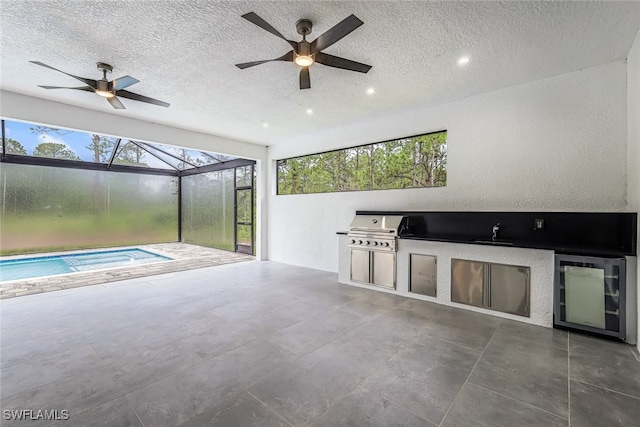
[(36, 110), (633, 141), (554, 144)]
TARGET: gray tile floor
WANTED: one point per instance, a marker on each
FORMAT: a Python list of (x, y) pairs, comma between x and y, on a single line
[(267, 344)]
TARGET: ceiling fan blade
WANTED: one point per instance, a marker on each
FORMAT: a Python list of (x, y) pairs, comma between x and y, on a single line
[(87, 88), (286, 57), (335, 33), (337, 62), (305, 81), (123, 82), (88, 82), (115, 103), (141, 98), (255, 19)]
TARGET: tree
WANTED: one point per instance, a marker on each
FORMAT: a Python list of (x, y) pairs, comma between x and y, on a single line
[(403, 163), (14, 147), (101, 147), (54, 150)]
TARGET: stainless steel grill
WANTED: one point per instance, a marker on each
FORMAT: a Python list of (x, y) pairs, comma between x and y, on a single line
[(373, 245), (375, 232)]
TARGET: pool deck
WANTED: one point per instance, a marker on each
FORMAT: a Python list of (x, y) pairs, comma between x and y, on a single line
[(185, 257)]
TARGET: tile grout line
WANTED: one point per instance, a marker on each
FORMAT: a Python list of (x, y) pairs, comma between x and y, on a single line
[(610, 390), (365, 378), (469, 376), (136, 413), (519, 401), (569, 379), (269, 408)]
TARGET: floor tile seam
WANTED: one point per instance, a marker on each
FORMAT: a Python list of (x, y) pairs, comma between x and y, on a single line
[(334, 339), (335, 402), (135, 412), (606, 388), (64, 377), (425, 334), (269, 407), (550, 344), (101, 404), (368, 318), (468, 376), (28, 339), (44, 357), (519, 401), (422, 417)]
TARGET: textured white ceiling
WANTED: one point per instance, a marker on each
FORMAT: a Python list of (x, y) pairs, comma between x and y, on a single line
[(184, 52)]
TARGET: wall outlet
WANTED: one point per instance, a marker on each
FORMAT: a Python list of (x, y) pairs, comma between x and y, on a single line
[(539, 224)]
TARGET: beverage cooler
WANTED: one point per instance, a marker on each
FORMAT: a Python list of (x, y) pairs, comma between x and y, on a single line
[(591, 295)]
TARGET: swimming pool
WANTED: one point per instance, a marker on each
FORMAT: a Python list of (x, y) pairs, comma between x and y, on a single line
[(25, 268)]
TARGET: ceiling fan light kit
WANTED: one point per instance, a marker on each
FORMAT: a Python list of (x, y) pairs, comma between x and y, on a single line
[(304, 53), (110, 90)]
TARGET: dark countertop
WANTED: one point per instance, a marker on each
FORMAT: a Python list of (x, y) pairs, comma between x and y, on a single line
[(573, 250)]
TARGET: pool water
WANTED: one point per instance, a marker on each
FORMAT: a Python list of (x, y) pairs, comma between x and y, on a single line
[(25, 268)]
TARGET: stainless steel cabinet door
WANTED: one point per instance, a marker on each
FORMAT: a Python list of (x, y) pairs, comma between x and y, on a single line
[(384, 269), (467, 282), (422, 274), (510, 289), (360, 265)]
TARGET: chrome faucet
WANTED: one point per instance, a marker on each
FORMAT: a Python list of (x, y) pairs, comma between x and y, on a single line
[(495, 230)]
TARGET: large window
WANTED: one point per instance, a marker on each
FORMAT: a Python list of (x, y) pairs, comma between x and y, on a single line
[(49, 208), (417, 161), (63, 189)]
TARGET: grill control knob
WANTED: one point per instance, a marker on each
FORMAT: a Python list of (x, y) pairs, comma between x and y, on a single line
[(375, 243), (353, 241), (367, 242), (359, 242), (386, 243)]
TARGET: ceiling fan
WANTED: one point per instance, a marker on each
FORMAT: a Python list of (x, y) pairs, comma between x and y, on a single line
[(108, 89), (304, 53)]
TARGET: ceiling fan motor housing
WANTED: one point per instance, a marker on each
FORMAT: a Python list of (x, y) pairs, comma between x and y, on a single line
[(304, 27), (104, 67)]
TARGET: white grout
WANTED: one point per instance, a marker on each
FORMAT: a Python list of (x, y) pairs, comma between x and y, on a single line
[(469, 376)]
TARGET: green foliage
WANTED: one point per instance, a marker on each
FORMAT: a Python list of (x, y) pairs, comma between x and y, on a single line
[(14, 147), (131, 154), (418, 161), (50, 207), (54, 150), (101, 147)]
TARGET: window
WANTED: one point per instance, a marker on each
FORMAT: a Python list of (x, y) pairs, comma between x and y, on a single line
[(417, 161)]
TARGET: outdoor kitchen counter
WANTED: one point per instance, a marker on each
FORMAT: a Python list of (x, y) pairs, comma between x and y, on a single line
[(539, 261), (577, 250)]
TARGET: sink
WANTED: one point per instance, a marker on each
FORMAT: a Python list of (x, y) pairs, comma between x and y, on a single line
[(492, 242)]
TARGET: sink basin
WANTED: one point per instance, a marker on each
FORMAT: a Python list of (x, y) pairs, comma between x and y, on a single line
[(493, 242)]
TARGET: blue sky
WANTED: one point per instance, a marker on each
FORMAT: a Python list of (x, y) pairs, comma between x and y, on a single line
[(76, 141)]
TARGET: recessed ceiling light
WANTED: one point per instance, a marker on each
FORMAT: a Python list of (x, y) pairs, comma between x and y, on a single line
[(309, 111), (463, 60), (265, 124), (371, 91)]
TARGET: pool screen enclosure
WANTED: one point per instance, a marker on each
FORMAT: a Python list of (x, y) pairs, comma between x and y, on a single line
[(66, 190)]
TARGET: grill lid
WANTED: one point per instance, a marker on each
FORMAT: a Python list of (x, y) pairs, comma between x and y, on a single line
[(387, 224)]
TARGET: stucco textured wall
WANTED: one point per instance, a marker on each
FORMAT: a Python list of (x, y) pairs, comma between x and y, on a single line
[(553, 144)]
